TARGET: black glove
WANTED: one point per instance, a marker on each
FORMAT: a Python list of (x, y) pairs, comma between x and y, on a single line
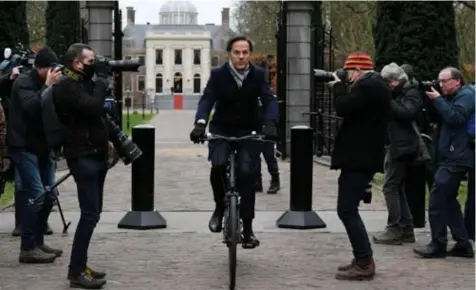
[(198, 132), (270, 131)]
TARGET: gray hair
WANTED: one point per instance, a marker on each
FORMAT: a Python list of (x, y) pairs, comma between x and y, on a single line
[(393, 72)]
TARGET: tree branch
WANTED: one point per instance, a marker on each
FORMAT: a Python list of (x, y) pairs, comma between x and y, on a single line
[(467, 4)]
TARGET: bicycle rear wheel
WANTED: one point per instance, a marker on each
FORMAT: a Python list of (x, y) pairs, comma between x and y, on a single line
[(233, 220)]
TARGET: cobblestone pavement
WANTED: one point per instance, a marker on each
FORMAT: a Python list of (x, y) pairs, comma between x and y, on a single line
[(182, 176), (297, 260), (168, 261)]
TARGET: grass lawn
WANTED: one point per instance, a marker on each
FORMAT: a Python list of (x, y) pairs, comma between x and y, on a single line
[(135, 118), (462, 192), (7, 196)]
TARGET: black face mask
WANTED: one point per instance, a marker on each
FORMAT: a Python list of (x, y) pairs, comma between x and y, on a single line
[(88, 70)]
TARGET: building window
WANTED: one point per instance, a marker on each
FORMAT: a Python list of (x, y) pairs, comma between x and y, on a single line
[(178, 82), (127, 57), (178, 56), (196, 83), (215, 61), (140, 83), (196, 56), (158, 83), (142, 59), (126, 81), (158, 56)]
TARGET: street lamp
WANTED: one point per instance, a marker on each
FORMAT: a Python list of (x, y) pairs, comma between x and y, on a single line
[(128, 106), (143, 104), (151, 99)]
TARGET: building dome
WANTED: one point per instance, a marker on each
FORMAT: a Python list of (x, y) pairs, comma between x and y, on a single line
[(178, 12)]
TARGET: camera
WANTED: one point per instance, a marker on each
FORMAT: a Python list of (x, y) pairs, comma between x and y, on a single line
[(126, 149), (22, 56), (321, 75), (105, 67), (426, 85)]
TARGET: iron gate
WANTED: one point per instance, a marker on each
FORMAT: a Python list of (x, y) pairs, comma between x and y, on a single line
[(324, 120), (281, 57)]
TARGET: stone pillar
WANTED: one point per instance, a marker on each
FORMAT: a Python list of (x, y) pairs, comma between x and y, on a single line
[(100, 27), (299, 68)]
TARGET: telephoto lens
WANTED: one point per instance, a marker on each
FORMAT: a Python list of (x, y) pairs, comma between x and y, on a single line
[(327, 76)]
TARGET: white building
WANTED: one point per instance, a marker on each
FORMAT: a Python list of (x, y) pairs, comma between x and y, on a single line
[(177, 54)]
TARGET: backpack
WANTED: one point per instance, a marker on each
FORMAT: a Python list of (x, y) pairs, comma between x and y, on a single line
[(55, 131)]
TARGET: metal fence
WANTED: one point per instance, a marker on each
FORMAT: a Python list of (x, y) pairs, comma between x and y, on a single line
[(325, 122)]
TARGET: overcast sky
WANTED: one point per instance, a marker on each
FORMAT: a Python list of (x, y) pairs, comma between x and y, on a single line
[(209, 11)]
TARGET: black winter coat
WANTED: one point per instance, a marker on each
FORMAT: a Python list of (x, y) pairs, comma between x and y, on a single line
[(80, 106), (25, 125), (403, 140), (365, 109)]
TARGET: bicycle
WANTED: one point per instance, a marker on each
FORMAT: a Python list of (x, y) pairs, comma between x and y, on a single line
[(232, 226)]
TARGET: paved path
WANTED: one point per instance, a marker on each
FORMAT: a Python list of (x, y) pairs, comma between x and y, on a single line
[(186, 256)]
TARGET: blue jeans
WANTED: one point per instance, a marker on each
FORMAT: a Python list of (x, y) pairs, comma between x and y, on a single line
[(35, 172), (352, 189), (19, 197), (89, 174), (444, 209)]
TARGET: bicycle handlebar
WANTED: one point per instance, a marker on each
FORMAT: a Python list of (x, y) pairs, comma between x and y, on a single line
[(210, 136)]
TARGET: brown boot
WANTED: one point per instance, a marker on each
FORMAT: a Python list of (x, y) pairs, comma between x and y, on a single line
[(346, 267), (358, 271)]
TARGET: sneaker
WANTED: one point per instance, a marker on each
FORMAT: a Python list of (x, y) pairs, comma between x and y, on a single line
[(86, 281), (91, 272), (391, 236), (49, 250), (36, 256)]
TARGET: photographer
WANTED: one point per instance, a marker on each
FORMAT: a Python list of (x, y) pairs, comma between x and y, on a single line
[(403, 149), (363, 102), (79, 103), (454, 157), (31, 155)]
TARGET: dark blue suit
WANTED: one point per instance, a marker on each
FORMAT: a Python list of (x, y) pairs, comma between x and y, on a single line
[(237, 113)]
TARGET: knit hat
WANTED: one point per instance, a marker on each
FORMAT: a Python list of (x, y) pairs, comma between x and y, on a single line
[(46, 57), (359, 60)]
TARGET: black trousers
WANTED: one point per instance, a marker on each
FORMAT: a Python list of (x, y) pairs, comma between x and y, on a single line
[(247, 165), (353, 186)]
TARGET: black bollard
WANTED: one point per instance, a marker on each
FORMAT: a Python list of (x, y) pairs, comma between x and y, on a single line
[(300, 214), (143, 216)]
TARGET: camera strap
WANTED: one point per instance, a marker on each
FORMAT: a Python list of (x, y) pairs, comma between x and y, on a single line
[(72, 75)]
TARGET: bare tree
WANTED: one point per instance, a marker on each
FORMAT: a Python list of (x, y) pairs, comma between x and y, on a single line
[(35, 11), (351, 25), (257, 20)]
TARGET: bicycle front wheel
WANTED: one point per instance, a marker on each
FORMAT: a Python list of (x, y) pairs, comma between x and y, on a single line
[(233, 221)]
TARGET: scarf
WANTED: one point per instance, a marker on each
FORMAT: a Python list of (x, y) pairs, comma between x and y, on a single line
[(239, 77)]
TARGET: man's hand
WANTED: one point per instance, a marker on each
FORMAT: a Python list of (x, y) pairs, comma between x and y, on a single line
[(15, 72), (198, 132), (53, 76), (5, 165), (270, 131), (433, 94), (336, 80)]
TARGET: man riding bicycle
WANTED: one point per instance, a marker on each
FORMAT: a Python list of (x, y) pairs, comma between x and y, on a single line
[(235, 89)]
